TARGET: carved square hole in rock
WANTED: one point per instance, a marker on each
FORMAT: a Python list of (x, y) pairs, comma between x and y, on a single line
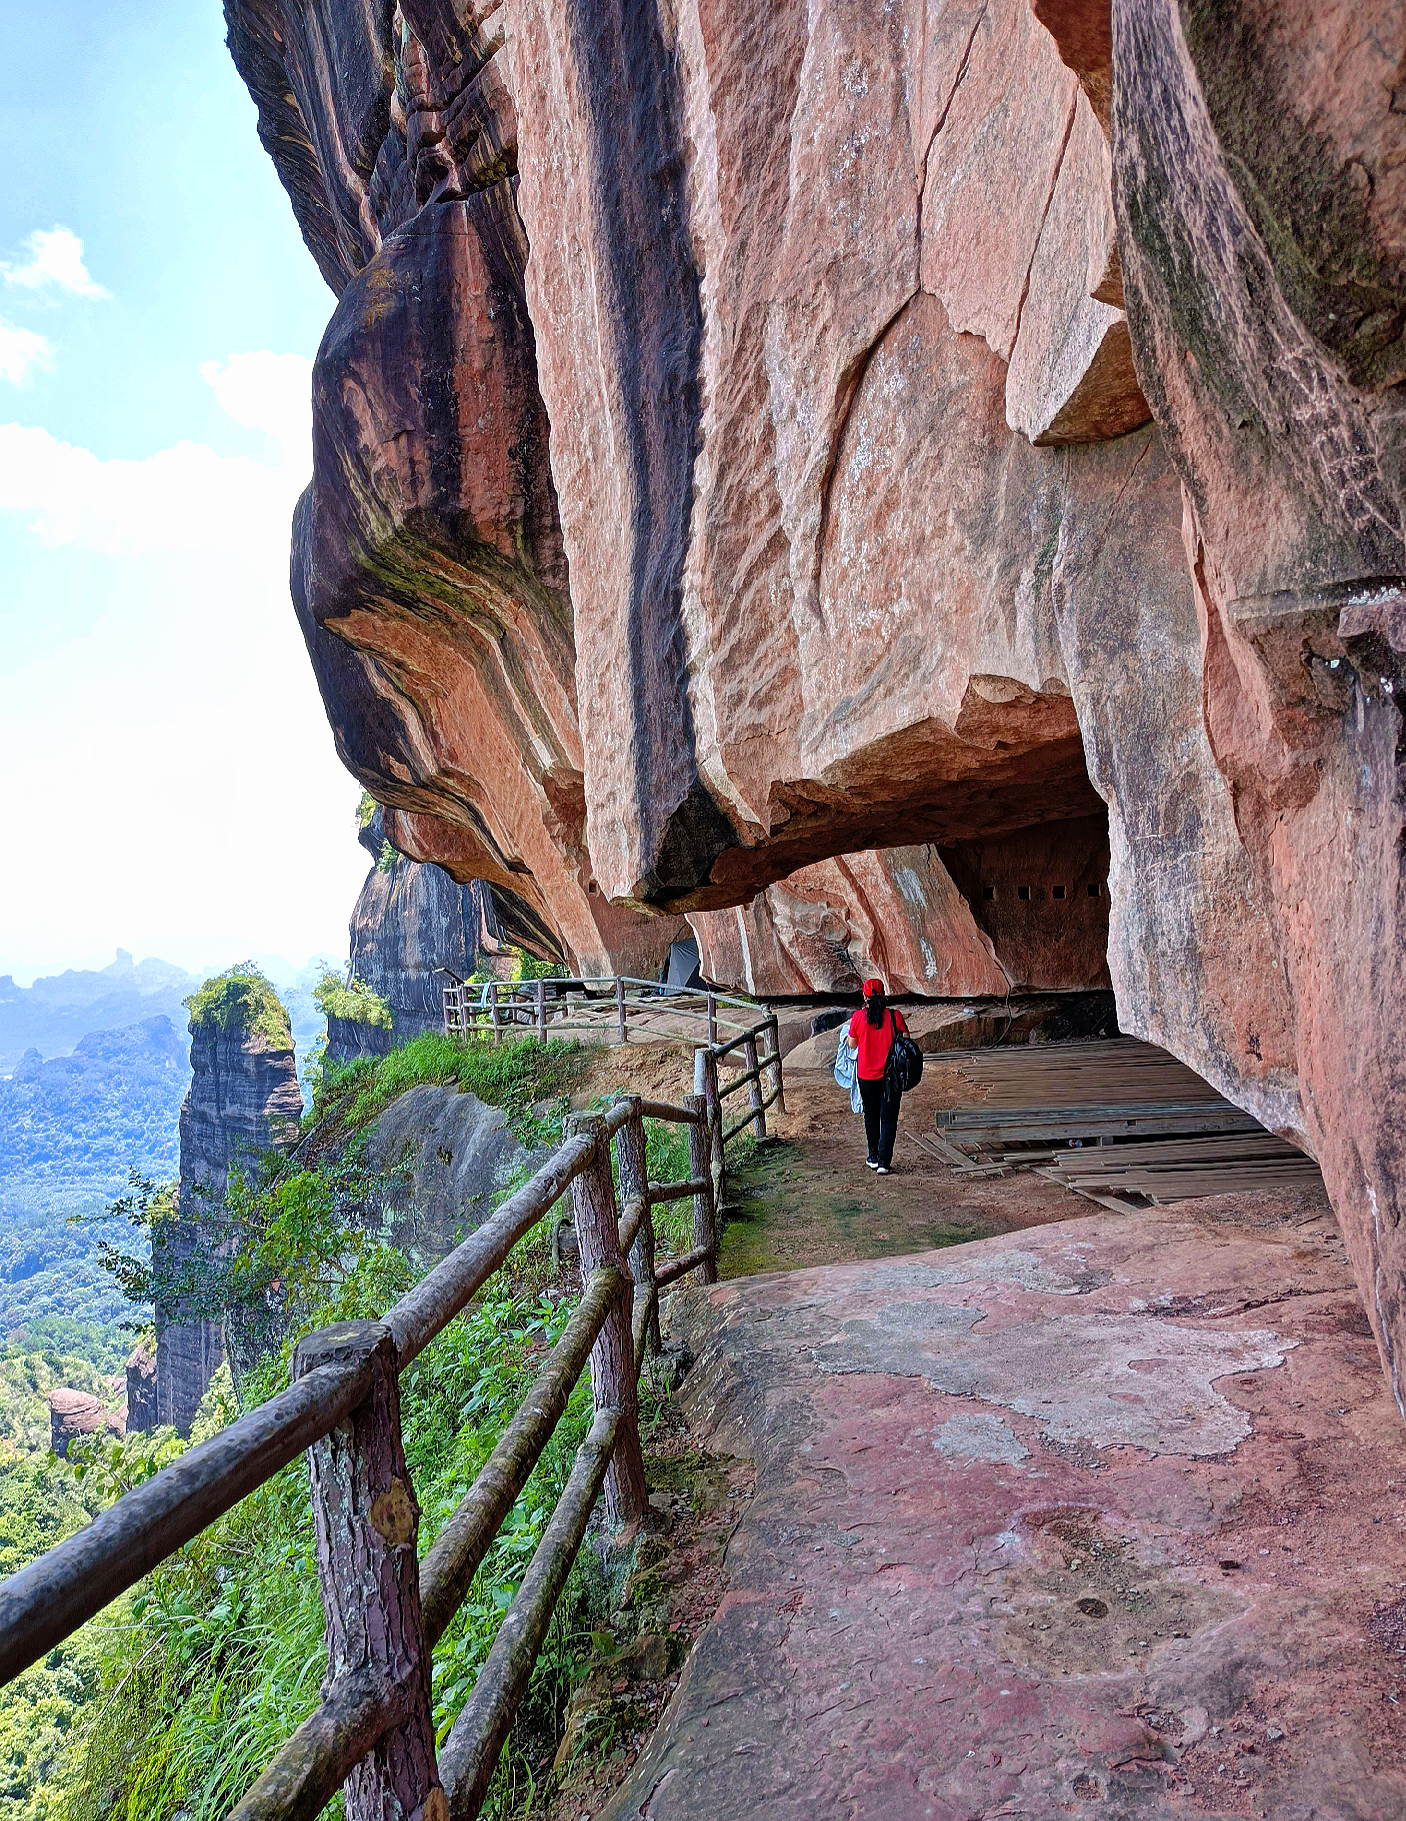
[(988, 892), (1023, 893), (1093, 891), (1057, 891)]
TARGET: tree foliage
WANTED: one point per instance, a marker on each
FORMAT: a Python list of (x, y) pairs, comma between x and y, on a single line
[(241, 999)]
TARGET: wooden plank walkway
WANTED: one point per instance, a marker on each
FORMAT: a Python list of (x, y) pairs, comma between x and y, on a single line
[(1118, 1121)]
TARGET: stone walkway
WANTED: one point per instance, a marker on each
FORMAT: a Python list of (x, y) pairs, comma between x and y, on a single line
[(1101, 1518)]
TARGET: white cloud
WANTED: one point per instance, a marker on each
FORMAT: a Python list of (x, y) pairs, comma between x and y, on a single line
[(187, 497), (269, 392), (168, 758), (55, 263), (20, 350)]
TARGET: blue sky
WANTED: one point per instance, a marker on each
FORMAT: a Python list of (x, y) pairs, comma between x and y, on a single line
[(170, 780)]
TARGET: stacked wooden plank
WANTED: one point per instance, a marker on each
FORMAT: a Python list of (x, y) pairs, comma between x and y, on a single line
[(1121, 1122)]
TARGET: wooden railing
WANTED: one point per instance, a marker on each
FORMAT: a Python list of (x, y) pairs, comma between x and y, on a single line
[(373, 1734), (610, 1005)]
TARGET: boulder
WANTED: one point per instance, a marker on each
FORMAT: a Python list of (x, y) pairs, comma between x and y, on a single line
[(447, 1152), (75, 1415)]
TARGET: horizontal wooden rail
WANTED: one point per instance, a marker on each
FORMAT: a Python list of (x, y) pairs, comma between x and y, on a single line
[(734, 1082), (459, 1549), (470, 1754), (438, 1297), (725, 1049), (750, 1115), (52, 1597), (661, 1109), (357, 1712), (678, 1191), (673, 1268)]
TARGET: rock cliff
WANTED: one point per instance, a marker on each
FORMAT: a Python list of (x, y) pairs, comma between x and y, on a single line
[(754, 436), (411, 922), (243, 1101)]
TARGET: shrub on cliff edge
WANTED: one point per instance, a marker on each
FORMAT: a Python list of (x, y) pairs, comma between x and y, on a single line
[(241, 999), (351, 999)]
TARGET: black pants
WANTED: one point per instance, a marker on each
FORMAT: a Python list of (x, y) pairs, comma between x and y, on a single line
[(880, 1120)]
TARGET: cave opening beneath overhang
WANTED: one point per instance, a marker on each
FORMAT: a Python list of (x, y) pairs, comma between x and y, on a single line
[(1017, 911)]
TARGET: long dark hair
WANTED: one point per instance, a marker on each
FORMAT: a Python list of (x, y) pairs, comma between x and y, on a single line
[(875, 1005)]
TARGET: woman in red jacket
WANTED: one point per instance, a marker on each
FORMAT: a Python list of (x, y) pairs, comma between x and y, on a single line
[(871, 1032)]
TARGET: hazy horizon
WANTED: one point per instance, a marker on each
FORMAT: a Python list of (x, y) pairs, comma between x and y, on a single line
[(281, 969)]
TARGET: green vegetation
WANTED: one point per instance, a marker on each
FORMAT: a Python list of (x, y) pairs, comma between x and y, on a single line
[(528, 967), (241, 999), (529, 1080), (351, 999), (386, 859), (176, 1697), (70, 1130), (26, 1379), (365, 809)]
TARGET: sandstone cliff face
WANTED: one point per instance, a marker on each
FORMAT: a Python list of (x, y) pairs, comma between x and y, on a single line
[(1001, 915), (243, 1101), (732, 452)]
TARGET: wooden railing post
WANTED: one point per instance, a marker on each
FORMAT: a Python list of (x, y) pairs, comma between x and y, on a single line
[(774, 1031), (634, 1180), (712, 1018), (705, 1082), (754, 1088), (366, 1523), (541, 1011), (495, 1017), (705, 1208), (613, 1356), (620, 1012)]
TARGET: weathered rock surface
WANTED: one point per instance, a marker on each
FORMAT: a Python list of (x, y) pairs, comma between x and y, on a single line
[(447, 1153), (1261, 204), (1003, 914), (243, 1101), (684, 514), (1071, 1521), (75, 1415), (410, 924), (143, 1410)]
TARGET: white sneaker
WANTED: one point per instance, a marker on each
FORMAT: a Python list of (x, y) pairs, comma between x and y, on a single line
[(869, 1164)]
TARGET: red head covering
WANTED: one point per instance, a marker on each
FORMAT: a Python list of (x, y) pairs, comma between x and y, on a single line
[(871, 987)]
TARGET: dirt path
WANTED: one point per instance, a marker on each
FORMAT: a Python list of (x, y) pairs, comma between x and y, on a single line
[(807, 1198)]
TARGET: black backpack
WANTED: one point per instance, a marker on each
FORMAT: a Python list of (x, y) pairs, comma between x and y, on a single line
[(904, 1068)]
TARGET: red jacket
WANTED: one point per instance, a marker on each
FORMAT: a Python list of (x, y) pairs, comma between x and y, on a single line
[(874, 1044)]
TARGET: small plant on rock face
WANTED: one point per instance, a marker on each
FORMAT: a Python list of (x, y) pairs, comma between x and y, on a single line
[(352, 1000), (529, 967), (365, 809)]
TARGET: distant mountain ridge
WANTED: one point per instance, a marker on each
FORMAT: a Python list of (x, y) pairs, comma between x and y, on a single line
[(59, 1010)]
